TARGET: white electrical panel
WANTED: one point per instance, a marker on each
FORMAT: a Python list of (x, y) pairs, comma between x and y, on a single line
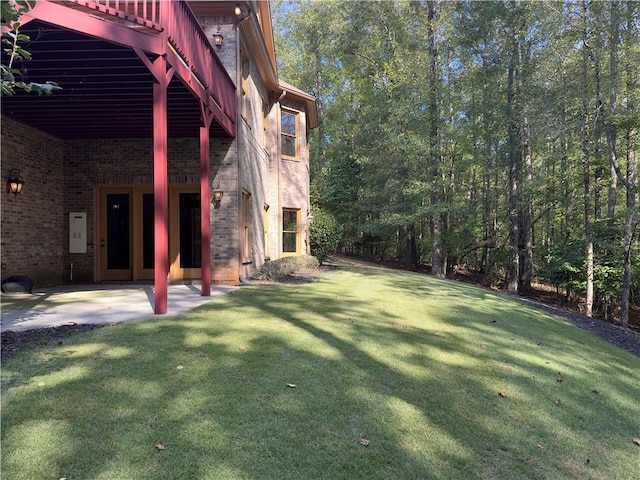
[(77, 232)]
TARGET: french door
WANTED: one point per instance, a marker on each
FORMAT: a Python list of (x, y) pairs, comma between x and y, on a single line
[(125, 231)]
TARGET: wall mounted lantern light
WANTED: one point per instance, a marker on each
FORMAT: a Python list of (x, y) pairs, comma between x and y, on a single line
[(216, 199), (14, 182), (218, 38)]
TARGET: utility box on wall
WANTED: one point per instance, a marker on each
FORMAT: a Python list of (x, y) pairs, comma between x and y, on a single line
[(77, 232)]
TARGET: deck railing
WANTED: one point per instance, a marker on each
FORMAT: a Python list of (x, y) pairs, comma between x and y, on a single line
[(188, 39), (185, 36), (142, 12)]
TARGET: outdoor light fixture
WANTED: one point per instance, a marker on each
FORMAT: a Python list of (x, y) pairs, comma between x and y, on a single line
[(217, 197), (240, 14), (218, 38), (14, 182)]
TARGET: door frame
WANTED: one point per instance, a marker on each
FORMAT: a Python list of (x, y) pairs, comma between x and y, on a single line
[(176, 272), (137, 271)]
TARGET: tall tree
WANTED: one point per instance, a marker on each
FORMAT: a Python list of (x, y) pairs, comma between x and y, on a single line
[(487, 135)]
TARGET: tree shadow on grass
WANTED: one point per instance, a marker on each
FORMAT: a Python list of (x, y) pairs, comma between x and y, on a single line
[(282, 382)]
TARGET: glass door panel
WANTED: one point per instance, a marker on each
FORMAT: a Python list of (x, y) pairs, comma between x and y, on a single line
[(190, 231), (185, 233), (115, 235), (118, 228), (148, 232)]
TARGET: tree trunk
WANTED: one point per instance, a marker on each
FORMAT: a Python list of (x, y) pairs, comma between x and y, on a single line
[(526, 273), (630, 225), (631, 222), (411, 254), (514, 165), (434, 143), (586, 169)]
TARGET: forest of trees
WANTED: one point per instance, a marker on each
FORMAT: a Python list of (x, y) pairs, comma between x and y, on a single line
[(498, 136)]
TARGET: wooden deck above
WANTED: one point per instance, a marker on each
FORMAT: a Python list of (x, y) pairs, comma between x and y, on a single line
[(99, 51)]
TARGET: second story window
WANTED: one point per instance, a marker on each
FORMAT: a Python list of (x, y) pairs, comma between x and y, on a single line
[(246, 91), (289, 134)]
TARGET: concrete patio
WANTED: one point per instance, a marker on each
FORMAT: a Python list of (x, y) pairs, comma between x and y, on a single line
[(95, 304)]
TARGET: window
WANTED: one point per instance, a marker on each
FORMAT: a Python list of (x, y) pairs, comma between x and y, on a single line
[(289, 231), (246, 90), (246, 226), (289, 134)]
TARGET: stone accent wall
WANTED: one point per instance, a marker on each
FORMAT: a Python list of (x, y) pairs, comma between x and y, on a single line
[(32, 232)]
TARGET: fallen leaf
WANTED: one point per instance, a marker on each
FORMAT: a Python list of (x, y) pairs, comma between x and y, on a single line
[(159, 446), (540, 447), (502, 394), (364, 442), (636, 441), (483, 346), (179, 367), (242, 348), (291, 385)]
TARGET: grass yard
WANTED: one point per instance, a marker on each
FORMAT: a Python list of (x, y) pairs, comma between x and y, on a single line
[(445, 380)]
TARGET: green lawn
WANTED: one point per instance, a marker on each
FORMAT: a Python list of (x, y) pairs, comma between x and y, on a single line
[(445, 380)]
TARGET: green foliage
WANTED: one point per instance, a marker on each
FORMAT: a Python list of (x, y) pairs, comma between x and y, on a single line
[(283, 268), (421, 126), (11, 39), (325, 234), (565, 266)]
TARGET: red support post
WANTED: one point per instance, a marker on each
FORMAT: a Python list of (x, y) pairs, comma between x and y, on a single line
[(205, 204), (161, 196)]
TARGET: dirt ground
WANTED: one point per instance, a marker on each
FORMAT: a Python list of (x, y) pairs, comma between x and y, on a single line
[(541, 298)]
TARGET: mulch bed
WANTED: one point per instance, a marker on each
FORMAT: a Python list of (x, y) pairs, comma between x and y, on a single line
[(624, 338), (13, 342)]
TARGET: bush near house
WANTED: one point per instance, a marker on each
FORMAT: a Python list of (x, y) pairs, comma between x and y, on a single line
[(325, 234), (285, 267)]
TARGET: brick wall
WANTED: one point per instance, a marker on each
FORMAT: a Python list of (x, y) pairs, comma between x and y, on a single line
[(62, 177), (90, 163), (32, 232)]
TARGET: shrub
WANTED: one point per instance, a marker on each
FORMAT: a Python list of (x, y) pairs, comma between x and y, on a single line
[(325, 234), (285, 267)]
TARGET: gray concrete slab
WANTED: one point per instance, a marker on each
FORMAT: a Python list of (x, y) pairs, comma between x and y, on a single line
[(96, 304)]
